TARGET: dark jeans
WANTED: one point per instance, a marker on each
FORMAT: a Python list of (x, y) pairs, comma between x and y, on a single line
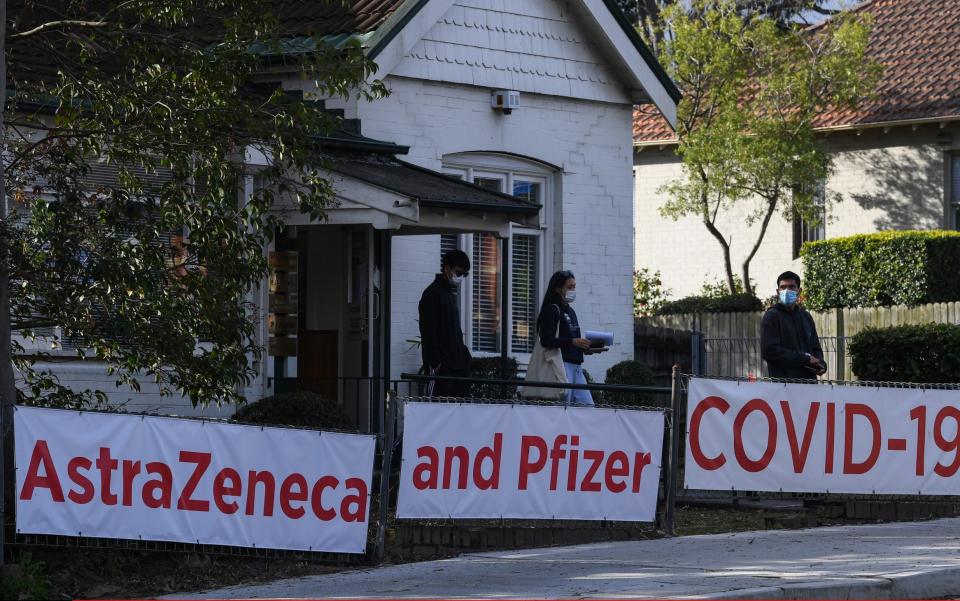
[(453, 389)]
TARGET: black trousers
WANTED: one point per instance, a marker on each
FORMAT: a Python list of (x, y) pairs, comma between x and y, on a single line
[(437, 388)]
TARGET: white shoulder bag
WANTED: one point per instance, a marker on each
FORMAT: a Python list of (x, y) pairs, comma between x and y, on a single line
[(546, 365)]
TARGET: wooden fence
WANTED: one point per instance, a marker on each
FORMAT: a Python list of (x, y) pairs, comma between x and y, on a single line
[(732, 340)]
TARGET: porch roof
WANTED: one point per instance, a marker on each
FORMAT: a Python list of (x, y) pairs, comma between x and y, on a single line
[(427, 187)]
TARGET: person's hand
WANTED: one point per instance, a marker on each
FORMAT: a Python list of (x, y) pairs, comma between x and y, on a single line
[(813, 360), (582, 343)]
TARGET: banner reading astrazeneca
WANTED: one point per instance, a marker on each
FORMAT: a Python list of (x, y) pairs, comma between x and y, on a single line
[(165, 479), (815, 438), (532, 462)]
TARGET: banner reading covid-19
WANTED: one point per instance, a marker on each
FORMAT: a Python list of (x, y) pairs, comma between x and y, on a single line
[(164, 479), (529, 462), (767, 436)]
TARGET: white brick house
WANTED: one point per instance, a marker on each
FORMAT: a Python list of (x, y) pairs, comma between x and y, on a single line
[(897, 159), (543, 187)]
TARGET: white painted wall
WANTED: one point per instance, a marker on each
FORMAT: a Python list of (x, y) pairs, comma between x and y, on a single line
[(590, 144), (892, 180)]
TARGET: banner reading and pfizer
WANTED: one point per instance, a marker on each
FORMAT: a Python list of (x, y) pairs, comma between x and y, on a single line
[(529, 462), (766, 436), (166, 479)]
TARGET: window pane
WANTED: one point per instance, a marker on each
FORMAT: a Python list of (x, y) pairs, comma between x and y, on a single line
[(489, 183), (955, 190), (524, 254), (525, 190), (486, 293)]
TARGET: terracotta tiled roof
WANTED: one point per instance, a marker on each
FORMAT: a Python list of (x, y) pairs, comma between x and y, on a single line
[(916, 42)]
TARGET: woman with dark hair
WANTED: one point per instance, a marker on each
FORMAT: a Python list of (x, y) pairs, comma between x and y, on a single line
[(558, 327)]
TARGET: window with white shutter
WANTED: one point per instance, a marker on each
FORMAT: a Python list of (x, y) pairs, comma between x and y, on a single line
[(483, 308), (524, 266)]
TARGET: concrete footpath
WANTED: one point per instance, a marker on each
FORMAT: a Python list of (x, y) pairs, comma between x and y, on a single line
[(915, 560)]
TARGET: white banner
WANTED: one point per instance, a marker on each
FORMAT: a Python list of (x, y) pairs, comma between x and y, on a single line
[(165, 479), (531, 462), (816, 438)]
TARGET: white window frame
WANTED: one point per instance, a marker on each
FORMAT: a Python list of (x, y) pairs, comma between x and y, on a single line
[(508, 168), (953, 191)]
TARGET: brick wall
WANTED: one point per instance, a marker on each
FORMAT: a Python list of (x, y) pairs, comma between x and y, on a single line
[(592, 233)]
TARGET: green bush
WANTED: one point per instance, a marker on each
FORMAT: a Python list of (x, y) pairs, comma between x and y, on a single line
[(912, 353), (493, 368), (730, 303), (882, 269), (628, 372), (301, 408), (648, 292)]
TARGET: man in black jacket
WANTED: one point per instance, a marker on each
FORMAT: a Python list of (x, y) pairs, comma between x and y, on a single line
[(788, 337), (441, 337)]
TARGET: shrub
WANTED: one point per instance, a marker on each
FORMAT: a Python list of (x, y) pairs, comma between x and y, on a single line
[(301, 408), (886, 268), (493, 368), (719, 288), (731, 303), (912, 353), (648, 292), (628, 372)]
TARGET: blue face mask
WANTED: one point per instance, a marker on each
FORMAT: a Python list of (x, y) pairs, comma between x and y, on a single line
[(788, 297)]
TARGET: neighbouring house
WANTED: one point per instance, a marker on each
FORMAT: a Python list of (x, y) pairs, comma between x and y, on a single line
[(540, 184), (897, 159)]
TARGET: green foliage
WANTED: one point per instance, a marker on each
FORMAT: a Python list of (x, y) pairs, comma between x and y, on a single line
[(720, 288), (302, 409), (140, 242), (886, 268), (493, 368), (25, 580), (630, 373), (648, 292), (925, 353), (730, 303), (745, 124)]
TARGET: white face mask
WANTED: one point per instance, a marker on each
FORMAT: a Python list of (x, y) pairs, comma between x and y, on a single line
[(456, 280), (569, 296)]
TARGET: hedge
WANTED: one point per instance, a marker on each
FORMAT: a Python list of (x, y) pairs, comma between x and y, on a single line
[(731, 303), (493, 368), (302, 408), (913, 353), (886, 268), (627, 372)]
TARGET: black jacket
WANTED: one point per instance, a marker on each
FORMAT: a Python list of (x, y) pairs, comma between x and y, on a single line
[(569, 329), (441, 338), (786, 336)]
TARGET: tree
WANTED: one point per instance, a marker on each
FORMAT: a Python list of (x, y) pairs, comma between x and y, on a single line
[(132, 224), (745, 124), (647, 15)]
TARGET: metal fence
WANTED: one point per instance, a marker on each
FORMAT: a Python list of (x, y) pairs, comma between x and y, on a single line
[(742, 357)]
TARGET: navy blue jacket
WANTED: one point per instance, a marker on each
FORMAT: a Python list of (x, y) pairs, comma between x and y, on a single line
[(569, 329)]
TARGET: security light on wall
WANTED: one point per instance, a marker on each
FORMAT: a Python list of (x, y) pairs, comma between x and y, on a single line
[(505, 100)]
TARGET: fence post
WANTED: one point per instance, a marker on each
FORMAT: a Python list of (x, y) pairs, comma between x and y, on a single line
[(698, 350), (386, 469), (841, 346), (671, 492)]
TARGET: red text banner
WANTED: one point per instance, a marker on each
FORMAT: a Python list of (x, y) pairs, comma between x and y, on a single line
[(165, 479), (816, 438), (529, 462)]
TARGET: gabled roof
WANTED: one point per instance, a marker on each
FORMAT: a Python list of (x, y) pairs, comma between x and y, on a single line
[(916, 42), (378, 25)]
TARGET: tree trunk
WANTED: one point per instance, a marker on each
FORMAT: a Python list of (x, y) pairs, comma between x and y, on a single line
[(8, 391), (771, 208), (727, 264)]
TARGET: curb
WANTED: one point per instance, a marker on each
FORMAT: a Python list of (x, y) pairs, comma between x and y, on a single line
[(922, 584)]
